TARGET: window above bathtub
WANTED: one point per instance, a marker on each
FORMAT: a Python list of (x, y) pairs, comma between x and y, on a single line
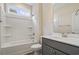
[(19, 9)]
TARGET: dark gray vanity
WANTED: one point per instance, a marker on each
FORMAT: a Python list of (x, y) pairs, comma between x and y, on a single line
[(53, 47)]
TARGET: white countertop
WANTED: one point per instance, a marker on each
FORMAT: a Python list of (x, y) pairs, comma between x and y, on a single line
[(69, 40)]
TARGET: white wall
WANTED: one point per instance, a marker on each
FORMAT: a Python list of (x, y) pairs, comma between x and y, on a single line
[(37, 24), (47, 10)]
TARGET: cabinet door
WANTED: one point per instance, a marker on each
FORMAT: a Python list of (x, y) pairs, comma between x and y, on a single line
[(59, 52), (48, 50)]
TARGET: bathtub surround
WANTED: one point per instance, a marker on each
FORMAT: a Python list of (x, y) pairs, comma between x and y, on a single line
[(15, 28)]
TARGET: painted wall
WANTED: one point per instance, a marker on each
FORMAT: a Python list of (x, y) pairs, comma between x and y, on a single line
[(47, 19), (37, 22), (44, 18)]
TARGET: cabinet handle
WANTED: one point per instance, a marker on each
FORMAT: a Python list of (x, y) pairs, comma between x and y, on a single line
[(55, 52)]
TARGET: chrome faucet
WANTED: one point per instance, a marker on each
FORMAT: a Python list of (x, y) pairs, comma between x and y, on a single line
[(64, 34)]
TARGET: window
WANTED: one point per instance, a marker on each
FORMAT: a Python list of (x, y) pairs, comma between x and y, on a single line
[(19, 9)]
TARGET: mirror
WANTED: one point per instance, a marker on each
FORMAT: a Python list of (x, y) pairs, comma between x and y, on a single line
[(66, 18)]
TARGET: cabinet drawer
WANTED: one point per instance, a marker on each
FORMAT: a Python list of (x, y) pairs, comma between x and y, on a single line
[(48, 50), (61, 46)]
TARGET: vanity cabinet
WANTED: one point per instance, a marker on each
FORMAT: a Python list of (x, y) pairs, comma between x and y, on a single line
[(52, 47), (48, 50)]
